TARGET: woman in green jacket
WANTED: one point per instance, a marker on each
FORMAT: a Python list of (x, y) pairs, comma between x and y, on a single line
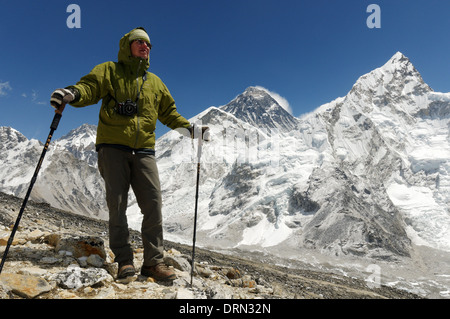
[(133, 99)]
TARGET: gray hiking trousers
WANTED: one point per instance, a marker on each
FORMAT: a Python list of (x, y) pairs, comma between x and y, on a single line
[(120, 169)]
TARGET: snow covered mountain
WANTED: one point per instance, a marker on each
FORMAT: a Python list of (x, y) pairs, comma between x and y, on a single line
[(258, 108), (81, 143), (364, 175), (64, 181)]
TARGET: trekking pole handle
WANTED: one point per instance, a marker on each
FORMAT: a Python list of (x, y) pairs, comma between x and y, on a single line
[(55, 121), (58, 113)]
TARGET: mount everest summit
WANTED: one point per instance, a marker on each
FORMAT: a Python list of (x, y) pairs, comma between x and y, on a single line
[(367, 174)]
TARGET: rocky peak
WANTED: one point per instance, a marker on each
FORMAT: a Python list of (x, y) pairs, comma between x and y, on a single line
[(86, 130), (257, 107), (10, 136), (397, 81), (398, 58)]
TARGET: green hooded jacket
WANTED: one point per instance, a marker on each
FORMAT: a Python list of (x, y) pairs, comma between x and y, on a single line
[(122, 80)]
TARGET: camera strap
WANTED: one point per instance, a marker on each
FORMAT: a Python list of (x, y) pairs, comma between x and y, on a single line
[(144, 78)]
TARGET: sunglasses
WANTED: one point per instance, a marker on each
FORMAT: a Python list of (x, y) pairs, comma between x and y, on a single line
[(142, 42)]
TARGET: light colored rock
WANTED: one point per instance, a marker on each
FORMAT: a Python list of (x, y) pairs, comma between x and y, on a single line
[(26, 286), (184, 293), (106, 293), (177, 262), (33, 271), (35, 235), (75, 277)]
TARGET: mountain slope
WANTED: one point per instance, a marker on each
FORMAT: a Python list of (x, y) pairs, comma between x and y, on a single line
[(64, 181), (81, 143)]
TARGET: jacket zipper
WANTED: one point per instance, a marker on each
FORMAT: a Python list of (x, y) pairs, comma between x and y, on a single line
[(137, 104)]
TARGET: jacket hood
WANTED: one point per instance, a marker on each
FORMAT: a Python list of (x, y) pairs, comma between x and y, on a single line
[(125, 56)]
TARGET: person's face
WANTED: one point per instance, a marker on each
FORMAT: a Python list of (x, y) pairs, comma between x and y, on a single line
[(140, 49)]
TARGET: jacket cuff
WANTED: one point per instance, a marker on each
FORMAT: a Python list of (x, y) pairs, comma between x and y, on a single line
[(75, 92)]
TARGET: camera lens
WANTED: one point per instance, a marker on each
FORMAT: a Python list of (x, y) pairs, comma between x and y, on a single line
[(127, 108)]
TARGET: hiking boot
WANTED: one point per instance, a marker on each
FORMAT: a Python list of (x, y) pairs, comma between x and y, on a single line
[(160, 272), (126, 269)]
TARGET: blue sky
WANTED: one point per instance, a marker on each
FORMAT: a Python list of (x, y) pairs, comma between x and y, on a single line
[(207, 52)]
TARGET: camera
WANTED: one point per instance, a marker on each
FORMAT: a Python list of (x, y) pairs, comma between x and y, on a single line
[(128, 108)]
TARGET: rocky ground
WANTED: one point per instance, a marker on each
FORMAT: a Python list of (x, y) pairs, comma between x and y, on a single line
[(60, 255)]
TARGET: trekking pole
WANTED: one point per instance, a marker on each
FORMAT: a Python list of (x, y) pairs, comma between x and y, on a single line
[(201, 137), (53, 127)]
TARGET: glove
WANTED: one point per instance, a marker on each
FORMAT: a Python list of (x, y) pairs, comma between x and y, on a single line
[(206, 133), (62, 96), (194, 132)]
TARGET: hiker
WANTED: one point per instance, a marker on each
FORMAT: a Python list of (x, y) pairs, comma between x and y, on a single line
[(132, 100)]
